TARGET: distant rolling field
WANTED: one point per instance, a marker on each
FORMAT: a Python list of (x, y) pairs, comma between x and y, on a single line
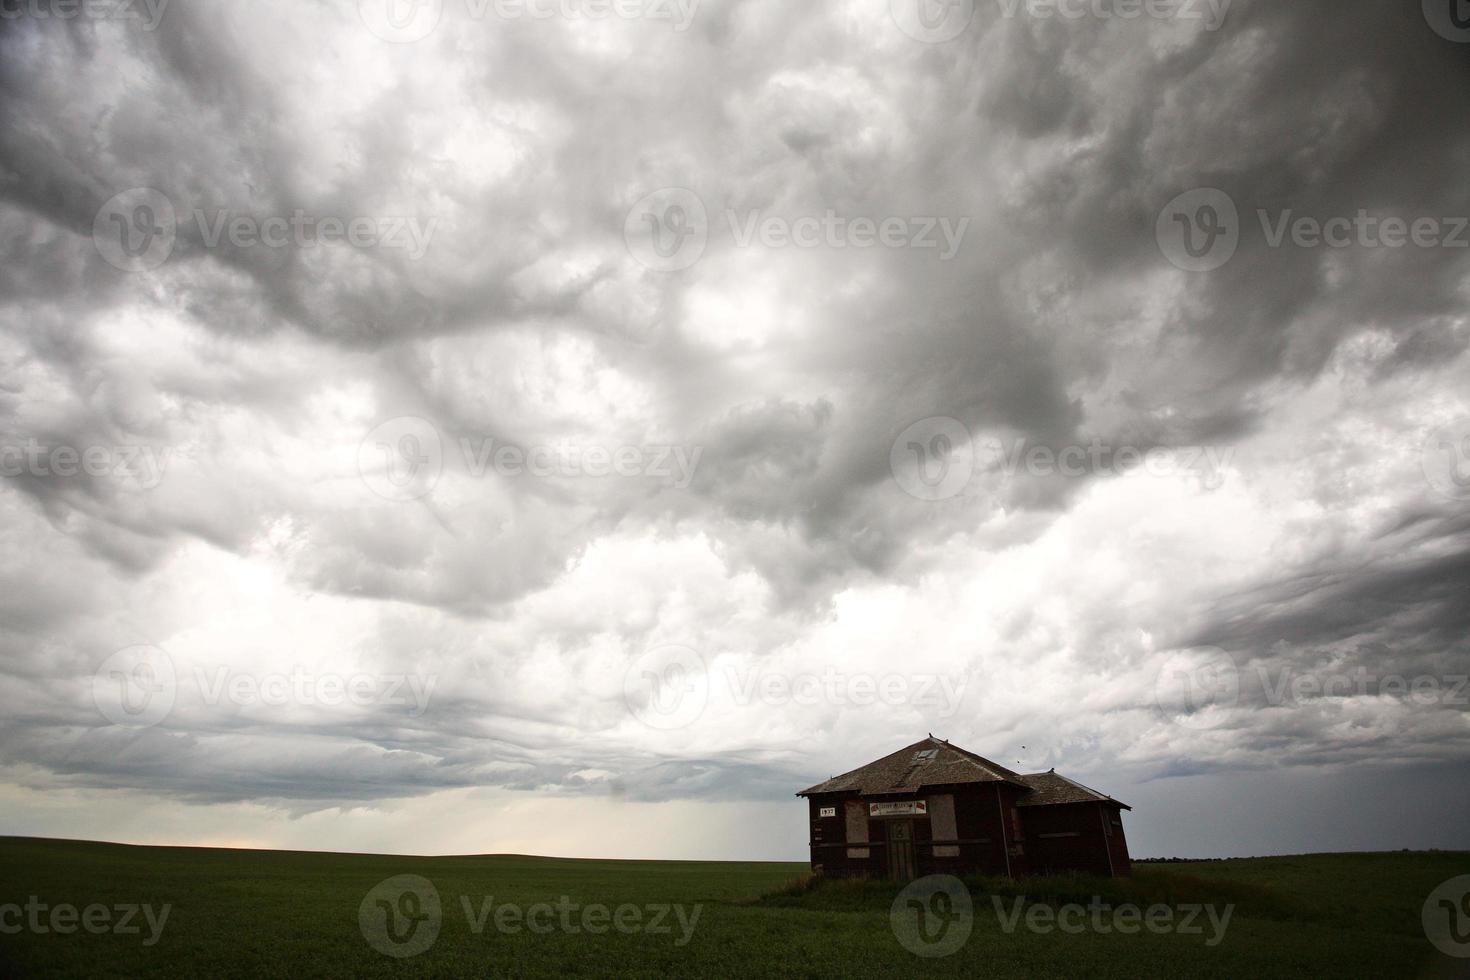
[(237, 913)]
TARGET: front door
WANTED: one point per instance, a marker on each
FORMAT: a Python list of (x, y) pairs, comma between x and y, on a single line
[(901, 850)]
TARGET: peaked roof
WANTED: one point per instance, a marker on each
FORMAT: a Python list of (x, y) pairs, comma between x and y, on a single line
[(935, 762), (931, 762), (1052, 787)]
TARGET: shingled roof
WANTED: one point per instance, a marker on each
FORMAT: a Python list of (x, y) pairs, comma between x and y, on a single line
[(1051, 787), (935, 762), (931, 762)]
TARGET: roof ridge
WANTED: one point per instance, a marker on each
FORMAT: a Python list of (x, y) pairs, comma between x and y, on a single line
[(993, 768), (903, 771), (1100, 795)]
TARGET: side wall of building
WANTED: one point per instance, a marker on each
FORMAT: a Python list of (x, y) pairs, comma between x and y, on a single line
[(1085, 837), (970, 829)]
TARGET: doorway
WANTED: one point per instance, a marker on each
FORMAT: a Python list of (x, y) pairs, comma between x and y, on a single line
[(901, 865)]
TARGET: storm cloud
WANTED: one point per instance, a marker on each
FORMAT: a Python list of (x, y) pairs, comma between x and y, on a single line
[(416, 406)]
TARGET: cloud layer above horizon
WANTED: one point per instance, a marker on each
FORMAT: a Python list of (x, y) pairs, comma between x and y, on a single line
[(385, 385)]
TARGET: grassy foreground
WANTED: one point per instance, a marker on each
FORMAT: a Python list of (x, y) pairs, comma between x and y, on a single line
[(253, 913)]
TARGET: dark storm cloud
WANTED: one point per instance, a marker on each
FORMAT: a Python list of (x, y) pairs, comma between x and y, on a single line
[(1058, 322)]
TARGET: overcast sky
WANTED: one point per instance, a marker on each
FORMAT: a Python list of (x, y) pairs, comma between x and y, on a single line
[(462, 427)]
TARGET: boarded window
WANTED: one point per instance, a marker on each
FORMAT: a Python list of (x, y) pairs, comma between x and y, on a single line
[(857, 822), (941, 817), (858, 852), (942, 825)]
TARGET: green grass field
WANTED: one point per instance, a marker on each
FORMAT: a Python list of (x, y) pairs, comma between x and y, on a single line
[(253, 913)]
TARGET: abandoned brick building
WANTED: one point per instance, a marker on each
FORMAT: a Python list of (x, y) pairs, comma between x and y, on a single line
[(934, 808)]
